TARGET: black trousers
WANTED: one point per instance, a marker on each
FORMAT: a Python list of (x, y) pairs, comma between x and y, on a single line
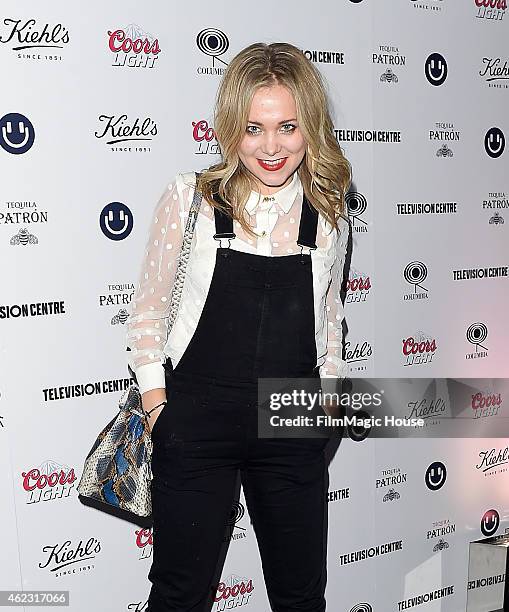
[(201, 441)]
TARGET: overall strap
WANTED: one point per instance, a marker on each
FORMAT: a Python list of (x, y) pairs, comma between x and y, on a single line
[(223, 222), (308, 225)]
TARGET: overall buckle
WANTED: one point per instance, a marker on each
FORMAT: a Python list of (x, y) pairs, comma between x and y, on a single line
[(306, 246), (224, 236)]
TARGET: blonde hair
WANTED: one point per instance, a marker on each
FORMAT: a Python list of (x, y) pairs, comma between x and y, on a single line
[(325, 173)]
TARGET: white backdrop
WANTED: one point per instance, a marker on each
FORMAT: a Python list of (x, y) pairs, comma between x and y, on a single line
[(105, 127)]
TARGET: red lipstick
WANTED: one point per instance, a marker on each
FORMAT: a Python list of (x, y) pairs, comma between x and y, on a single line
[(271, 167)]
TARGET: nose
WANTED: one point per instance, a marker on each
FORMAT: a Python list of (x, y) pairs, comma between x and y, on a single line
[(271, 145)]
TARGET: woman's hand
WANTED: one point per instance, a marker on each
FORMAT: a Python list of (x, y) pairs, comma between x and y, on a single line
[(152, 398)]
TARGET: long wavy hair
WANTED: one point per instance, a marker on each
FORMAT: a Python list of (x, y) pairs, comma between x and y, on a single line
[(325, 173)]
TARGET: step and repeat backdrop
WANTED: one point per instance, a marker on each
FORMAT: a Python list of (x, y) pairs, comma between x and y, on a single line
[(102, 104)]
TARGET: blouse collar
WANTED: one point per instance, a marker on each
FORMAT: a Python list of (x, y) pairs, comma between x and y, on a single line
[(283, 199)]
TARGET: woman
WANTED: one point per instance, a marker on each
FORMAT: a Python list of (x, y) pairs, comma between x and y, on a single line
[(260, 299)]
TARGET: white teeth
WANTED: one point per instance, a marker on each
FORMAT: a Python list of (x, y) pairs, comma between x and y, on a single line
[(271, 162)]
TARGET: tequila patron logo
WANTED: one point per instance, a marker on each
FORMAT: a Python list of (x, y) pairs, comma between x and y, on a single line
[(418, 349), (214, 43), (443, 134), (47, 482), (391, 60), (205, 138), (389, 483), (493, 10), (119, 296), (123, 135), (495, 72), (415, 273), (132, 47), (493, 204), (23, 216), (438, 534)]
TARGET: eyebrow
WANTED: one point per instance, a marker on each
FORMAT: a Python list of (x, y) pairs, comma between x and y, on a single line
[(280, 123)]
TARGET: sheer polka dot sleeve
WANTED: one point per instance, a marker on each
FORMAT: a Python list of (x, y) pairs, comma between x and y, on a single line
[(147, 328), (335, 366)]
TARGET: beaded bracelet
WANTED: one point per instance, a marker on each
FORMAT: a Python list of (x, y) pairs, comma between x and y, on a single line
[(152, 409)]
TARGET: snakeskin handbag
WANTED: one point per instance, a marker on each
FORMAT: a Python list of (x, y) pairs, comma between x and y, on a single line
[(117, 470)]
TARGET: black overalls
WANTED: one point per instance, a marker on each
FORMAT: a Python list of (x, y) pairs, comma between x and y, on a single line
[(257, 321)]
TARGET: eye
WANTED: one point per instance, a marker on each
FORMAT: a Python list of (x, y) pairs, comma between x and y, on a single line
[(249, 127), (291, 127)]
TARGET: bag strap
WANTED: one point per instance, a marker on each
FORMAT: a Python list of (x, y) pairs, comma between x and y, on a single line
[(184, 257)]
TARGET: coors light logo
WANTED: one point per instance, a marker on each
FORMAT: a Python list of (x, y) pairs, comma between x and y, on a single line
[(144, 542), (205, 138), (493, 10), (358, 286), (48, 481), (486, 404), (233, 592), (418, 349), (132, 47)]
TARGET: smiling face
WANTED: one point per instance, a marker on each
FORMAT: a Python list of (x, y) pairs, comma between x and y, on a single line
[(273, 146)]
